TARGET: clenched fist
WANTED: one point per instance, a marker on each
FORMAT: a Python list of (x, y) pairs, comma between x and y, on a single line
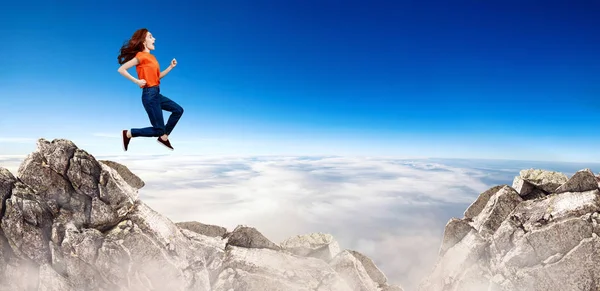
[(141, 82), (173, 63)]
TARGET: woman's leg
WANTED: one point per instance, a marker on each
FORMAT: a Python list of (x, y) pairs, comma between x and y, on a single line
[(176, 112), (151, 99)]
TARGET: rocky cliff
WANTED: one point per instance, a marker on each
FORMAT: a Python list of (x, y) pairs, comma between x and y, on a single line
[(71, 222), (541, 233)]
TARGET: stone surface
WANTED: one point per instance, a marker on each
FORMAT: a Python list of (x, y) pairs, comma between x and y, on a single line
[(547, 243), (203, 229), (249, 237), (478, 205), (318, 245), (547, 181), (132, 179), (581, 181), (455, 230)]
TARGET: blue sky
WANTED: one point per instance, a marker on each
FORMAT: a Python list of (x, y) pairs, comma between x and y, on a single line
[(500, 79)]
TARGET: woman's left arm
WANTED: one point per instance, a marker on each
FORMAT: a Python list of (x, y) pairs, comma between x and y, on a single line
[(168, 69)]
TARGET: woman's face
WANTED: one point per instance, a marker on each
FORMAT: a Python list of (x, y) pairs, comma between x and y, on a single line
[(149, 42)]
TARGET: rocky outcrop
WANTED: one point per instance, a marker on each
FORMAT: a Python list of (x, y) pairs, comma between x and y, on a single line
[(318, 245), (539, 234), (203, 229), (249, 237), (71, 222)]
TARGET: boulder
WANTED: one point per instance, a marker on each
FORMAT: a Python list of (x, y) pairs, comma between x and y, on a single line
[(203, 229), (249, 237), (318, 245), (581, 181), (539, 244), (545, 180)]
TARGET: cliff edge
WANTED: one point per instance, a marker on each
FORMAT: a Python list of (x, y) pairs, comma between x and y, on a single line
[(71, 222), (539, 234)]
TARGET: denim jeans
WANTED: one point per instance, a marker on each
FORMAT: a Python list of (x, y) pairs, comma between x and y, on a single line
[(155, 103)]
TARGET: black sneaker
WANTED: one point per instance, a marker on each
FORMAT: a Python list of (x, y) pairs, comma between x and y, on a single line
[(125, 139), (165, 142)]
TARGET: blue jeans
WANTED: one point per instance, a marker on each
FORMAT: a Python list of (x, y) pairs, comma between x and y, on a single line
[(155, 103)]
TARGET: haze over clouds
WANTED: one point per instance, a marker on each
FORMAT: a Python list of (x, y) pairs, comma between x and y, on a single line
[(393, 210)]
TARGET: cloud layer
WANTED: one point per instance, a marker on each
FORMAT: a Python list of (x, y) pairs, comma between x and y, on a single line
[(392, 210)]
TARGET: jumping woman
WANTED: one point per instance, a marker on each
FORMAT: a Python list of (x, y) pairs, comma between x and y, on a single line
[(136, 52)]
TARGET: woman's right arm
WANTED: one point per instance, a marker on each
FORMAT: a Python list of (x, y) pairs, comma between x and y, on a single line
[(126, 66)]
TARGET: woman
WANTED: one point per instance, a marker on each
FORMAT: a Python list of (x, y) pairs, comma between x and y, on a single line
[(136, 52)]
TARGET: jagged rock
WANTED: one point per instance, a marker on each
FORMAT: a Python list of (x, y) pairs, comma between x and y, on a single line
[(470, 251), (26, 224), (523, 187), (132, 179), (455, 231), (7, 180), (547, 181), (499, 206), (481, 201), (50, 280), (353, 272), (542, 244), (267, 269), (318, 245), (249, 237), (203, 229), (70, 222), (581, 181), (527, 190), (374, 273)]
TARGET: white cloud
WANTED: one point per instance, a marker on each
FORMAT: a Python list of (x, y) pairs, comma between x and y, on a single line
[(11, 162), (394, 211)]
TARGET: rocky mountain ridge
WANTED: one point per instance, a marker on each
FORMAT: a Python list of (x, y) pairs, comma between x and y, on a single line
[(71, 222), (539, 234)]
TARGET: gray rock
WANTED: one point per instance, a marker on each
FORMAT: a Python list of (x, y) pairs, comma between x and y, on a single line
[(203, 229), (7, 180), (581, 181), (500, 205), (374, 273), (317, 245), (523, 187), (267, 269), (353, 272), (481, 201), (26, 224), (538, 245), (455, 231), (132, 179), (49, 280), (249, 237), (545, 180)]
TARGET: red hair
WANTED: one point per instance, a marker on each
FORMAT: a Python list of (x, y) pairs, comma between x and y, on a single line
[(134, 45)]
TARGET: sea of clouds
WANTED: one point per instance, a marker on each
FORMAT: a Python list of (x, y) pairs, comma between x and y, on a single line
[(392, 210)]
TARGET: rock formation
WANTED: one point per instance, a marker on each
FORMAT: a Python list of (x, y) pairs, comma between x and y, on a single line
[(541, 233), (71, 222)]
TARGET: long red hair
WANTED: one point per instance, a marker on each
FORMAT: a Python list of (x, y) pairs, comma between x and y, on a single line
[(134, 45)]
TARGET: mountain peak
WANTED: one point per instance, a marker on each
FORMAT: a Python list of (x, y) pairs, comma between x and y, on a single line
[(71, 222)]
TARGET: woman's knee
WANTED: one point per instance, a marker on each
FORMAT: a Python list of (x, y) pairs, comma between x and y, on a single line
[(159, 131)]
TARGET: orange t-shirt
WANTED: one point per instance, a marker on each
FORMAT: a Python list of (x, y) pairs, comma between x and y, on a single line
[(148, 69)]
